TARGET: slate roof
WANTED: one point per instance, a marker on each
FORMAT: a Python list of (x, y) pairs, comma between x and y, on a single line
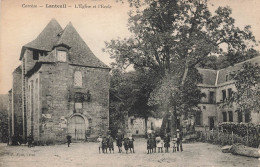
[(79, 52), (53, 35), (208, 76), (236, 67), (211, 76), (18, 69)]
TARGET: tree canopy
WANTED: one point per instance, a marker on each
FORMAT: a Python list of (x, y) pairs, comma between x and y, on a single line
[(247, 81), (171, 37)]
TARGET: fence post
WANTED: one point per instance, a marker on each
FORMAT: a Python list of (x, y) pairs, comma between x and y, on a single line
[(247, 135), (217, 133), (232, 137)]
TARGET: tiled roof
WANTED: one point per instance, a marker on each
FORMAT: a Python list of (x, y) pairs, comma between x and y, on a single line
[(53, 35)]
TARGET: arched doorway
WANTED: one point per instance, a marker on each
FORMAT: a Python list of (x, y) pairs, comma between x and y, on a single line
[(77, 127)]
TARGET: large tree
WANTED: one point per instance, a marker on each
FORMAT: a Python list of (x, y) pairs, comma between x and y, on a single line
[(172, 36), (247, 95), (129, 94)]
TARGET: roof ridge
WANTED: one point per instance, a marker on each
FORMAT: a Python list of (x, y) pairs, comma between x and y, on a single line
[(240, 63)]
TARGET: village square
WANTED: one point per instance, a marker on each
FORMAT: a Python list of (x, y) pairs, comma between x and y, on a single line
[(182, 90)]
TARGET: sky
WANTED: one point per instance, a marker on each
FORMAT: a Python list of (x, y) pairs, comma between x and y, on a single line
[(19, 26)]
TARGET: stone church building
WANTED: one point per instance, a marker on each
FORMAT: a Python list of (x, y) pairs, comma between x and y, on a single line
[(60, 87)]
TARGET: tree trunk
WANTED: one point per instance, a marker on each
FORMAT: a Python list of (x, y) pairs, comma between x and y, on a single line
[(173, 120), (185, 73), (145, 126)]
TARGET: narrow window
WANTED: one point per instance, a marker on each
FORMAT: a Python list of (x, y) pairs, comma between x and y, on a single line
[(224, 114), (77, 78), (211, 97), (198, 118), (230, 116), (132, 121), (230, 93), (224, 95), (247, 117), (239, 116)]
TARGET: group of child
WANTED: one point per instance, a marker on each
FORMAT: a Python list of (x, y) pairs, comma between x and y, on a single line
[(107, 142), (154, 142)]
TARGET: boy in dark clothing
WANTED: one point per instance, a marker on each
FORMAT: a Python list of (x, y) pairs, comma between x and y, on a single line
[(119, 140), (131, 144), (149, 144), (153, 143), (126, 144), (179, 140), (110, 143), (167, 142), (30, 140), (68, 140), (104, 144)]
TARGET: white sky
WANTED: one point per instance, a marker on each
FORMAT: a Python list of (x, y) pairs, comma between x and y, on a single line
[(22, 25)]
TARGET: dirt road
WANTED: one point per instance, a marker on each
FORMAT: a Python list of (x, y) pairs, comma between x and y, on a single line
[(86, 155)]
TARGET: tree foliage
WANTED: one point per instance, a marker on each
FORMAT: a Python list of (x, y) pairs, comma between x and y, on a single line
[(170, 38), (129, 94), (247, 81)]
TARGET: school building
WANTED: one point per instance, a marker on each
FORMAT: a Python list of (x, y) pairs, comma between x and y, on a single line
[(218, 85)]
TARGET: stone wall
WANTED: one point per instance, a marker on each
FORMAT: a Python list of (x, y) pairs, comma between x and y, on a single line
[(17, 115), (57, 100)]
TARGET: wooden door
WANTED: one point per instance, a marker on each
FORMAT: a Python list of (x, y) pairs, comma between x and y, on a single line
[(77, 128)]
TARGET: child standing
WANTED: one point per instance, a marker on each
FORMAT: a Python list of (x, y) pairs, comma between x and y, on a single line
[(68, 139), (153, 143), (159, 143), (131, 144), (119, 140), (104, 144), (99, 140), (126, 144), (167, 142), (110, 143), (174, 140), (149, 144)]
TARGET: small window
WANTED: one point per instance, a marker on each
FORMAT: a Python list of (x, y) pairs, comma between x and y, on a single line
[(204, 107), (77, 78), (227, 77), (61, 56), (132, 121), (137, 131), (35, 55)]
